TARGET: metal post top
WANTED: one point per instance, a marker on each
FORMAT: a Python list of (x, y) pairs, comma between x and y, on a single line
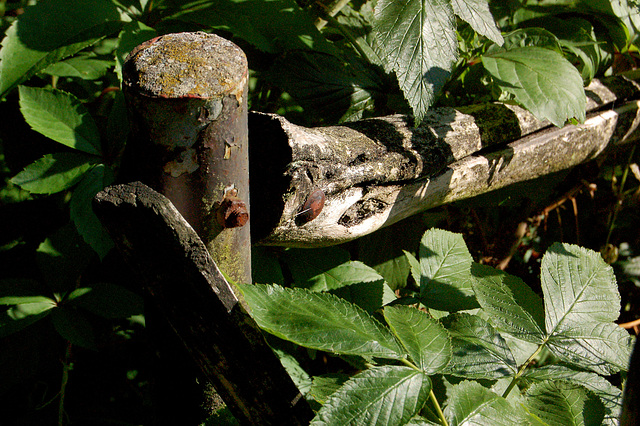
[(186, 65)]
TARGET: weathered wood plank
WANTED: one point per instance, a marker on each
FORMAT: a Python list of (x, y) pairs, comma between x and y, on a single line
[(198, 303), (376, 172)]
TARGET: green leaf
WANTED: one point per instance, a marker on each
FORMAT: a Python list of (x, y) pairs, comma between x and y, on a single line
[(370, 296), (445, 281), (74, 327), (54, 172), (416, 40), (49, 31), (275, 26), (84, 67), (320, 321), (300, 378), (14, 291), (581, 302), (578, 287), (426, 340), (60, 116), (529, 37), (560, 403), (108, 300), (62, 258), (381, 395), (132, 34), (601, 347), (82, 215), (478, 15), (479, 352), (12, 321), (323, 386), (510, 304), (541, 80), (470, 403), (610, 396), (308, 266), (351, 272), (333, 89)]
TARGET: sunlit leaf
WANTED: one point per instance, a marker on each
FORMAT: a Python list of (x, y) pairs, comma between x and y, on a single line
[(60, 116), (382, 395), (417, 41), (320, 321), (542, 80), (426, 341), (478, 15), (54, 172)]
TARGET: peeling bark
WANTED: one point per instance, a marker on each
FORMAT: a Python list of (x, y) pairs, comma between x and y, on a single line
[(376, 172)]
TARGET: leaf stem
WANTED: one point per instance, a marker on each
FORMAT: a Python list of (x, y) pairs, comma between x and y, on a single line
[(434, 401), (521, 370), (619, 196), (66, 367), (432, 396)]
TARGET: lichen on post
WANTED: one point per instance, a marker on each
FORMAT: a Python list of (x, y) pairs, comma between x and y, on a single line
[(187, 99)]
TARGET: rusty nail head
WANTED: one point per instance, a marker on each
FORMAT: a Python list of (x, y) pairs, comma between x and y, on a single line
[(311, 208)]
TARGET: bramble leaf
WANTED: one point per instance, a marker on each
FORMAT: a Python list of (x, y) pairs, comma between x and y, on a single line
[(60, 116), (478, 15), (416, 40), (387, 395), (320, 321), (426, 341), (479, 351), (54, 172), (445, 279), (562, 403), (511, 305), (470, 403)]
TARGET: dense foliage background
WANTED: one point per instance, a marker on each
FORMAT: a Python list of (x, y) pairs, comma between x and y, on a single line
[(74, 347)]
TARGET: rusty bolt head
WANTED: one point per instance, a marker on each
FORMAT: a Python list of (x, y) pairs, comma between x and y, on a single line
[(232, 213)]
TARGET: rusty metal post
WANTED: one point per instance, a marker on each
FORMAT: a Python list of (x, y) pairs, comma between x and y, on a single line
[(187, 97)]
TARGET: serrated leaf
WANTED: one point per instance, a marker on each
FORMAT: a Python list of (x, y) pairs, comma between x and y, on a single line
[(478, 15), (54, 172), (333, 89), (601, 347), (426, 340), (470, 403), (578, 287), (560, 403), (445, 278), (581, 302), (510, 304), (74, 327), (60, 116), (50, 31), (84, 67), (82, 215), (417, 41), (381, 395), (320, 321), (610, 396), (479, 351), (541, 80)]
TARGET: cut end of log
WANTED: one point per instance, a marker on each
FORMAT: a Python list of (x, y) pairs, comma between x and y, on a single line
[(186, 65)]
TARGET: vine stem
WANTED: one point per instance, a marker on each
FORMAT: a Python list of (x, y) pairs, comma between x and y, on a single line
[(619, 196), (521, 371), (66, 367), (432, 396)]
